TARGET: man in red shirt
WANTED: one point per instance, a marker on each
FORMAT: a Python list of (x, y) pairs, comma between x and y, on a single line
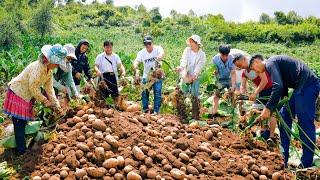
[(263, 83)]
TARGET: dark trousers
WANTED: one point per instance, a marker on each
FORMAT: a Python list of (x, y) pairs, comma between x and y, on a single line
[(111, 81), (19, 133), (302, 105)]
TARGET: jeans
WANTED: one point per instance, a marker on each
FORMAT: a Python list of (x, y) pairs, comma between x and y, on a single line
[(19, 133), (157, 88), (302, 105), (192, 88)]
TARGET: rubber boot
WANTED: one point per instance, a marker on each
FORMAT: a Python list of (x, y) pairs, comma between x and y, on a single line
[(181, 106), (195, 108), (117, 102)]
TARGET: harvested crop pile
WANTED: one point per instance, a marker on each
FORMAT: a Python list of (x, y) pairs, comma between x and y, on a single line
[(102, 145)]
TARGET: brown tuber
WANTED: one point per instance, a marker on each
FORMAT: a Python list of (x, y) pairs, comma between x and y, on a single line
[(133, 176), (110, 163), (137, 153)]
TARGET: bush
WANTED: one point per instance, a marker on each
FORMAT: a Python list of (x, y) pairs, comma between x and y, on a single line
[(146, 23), (9, 32), (184, 20), (41, 21)]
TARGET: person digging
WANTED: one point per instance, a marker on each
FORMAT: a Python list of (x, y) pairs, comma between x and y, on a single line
[(191, 64)]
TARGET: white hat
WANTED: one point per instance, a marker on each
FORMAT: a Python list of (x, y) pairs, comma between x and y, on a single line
[(196, 38), (70, 50)]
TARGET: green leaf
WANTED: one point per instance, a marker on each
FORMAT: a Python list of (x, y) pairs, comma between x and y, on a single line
[(39, 136), (33, 127), (8, 142)]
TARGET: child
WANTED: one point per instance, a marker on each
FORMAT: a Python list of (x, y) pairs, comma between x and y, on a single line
[(25, 88)]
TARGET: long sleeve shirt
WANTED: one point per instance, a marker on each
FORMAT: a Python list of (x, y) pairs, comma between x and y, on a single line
[(192, 62), (28, 83), (287, 72), (64, 79), (81, 65)]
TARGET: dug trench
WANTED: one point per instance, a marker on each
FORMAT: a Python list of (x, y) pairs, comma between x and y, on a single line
[(102, 143)]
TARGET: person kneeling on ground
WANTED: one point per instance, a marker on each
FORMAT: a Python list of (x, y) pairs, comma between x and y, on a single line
[(63, 80), (263, 83), (287, 72), (106, 67), (191, 63), (26, 87), (151, 57)]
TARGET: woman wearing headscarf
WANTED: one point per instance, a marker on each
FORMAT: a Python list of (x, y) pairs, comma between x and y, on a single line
[(63, 80), (81, 64), (24, 89)]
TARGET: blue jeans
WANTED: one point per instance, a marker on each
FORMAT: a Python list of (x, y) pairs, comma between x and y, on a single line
[(302, 105), (192, 88), (157, 88)]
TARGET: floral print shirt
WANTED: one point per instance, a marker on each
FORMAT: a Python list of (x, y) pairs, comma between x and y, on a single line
[(27, 84)]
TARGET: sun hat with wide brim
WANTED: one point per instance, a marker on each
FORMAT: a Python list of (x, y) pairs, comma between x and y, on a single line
[(55, 54), (70, 50), (195, 38)]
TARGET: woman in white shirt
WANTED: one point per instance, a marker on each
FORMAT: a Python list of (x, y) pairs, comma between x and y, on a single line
[(191, 63)]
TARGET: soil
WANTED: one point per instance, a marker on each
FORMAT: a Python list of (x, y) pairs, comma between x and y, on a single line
[(162, 138)]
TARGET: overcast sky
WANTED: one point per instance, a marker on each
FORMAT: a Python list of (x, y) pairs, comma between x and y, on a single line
[(232, 10)]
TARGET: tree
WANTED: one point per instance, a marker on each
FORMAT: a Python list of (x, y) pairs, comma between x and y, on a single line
[(281, 18), (294, 18), (155, 15), (191, 13), (41, 20), (142, 9), (110, 2), (173, 13), (264, 18)]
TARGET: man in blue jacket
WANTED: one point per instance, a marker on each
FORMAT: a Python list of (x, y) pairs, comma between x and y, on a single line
[(287, 72)]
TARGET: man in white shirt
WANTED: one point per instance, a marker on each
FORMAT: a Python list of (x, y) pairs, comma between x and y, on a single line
[(151, 57), (106, 67)]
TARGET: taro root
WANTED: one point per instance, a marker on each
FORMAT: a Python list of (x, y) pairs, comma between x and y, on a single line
[(99, 125), (83, 147), (112, 141), (216, 155), (208, 135), (96, 172), (192, 170), (110, 163), (177, 174), (80, 173), (121, 162), (151, 174), (133, 176), (137, 153)]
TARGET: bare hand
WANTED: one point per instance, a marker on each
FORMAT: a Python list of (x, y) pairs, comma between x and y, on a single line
[(266, 113), (65, 90), (137, 80), (253, 97), (78, 76), (99, 73), (47, 103), (179, 69)]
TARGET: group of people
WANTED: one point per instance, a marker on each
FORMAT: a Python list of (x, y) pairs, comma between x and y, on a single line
[(61, 68)]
